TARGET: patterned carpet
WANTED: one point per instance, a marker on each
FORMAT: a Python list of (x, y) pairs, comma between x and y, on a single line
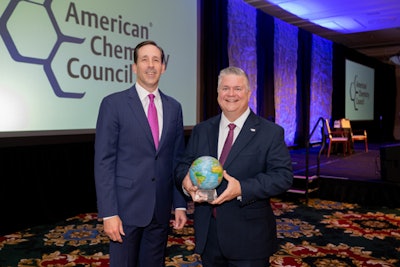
[(322, 233)]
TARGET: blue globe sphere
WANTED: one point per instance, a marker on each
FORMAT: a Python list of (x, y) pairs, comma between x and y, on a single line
[(206, 172)]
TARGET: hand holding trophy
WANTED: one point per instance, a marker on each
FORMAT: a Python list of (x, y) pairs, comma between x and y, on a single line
[(206, 173)]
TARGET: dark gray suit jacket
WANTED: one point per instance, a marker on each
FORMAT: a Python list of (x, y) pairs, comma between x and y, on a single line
[(260, 160)]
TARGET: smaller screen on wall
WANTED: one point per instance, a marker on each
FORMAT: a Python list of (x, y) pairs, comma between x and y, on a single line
[(359, 97)]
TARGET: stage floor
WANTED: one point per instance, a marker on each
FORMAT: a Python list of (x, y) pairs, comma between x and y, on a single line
[(354, 178), (359, 165)]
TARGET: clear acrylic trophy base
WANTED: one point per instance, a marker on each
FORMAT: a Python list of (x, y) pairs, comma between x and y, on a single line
[(207, 195)]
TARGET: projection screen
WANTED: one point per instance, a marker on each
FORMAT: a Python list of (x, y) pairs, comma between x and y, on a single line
[(359, 99), (58, 59)]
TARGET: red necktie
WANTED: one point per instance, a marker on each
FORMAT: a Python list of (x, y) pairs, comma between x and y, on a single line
[(228, 144), (153, 120)]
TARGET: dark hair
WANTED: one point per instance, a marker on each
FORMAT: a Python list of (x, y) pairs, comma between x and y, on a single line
[(148, 42)]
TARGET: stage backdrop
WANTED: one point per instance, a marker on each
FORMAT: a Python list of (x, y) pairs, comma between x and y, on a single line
[(60, 58), (242, 52)]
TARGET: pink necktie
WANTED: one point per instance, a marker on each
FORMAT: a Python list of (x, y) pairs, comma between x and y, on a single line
[(228, 144), (153, 120)]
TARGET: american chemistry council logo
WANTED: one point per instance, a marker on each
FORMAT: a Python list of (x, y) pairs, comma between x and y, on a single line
[(358, 92), (45, 21), (45, 11)]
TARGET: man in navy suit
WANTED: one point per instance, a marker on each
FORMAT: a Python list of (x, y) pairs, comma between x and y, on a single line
[(135, 177), (238, 228)]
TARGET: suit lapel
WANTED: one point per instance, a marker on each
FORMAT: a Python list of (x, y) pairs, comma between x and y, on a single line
[(136, 107), (247, 133), (167, 117), (213, 133)]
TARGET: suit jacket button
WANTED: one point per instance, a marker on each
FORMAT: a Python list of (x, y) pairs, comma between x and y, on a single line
[(153, 179)]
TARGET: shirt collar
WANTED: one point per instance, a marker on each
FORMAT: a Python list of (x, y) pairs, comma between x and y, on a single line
[(239, 122), (143, 93)]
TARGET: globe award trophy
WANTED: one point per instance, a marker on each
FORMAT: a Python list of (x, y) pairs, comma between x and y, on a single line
[(206, 173)]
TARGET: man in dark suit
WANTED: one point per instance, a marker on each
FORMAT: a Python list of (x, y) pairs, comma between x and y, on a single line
[(238, 228), (134, 172)]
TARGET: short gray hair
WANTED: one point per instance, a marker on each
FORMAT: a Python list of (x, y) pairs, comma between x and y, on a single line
[(235, 71)]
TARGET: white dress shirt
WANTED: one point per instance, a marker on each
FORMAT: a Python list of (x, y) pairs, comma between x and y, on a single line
[(143, 96), (224, 129)]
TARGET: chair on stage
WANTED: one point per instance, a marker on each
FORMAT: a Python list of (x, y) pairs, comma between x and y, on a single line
[(335, 137), (356, 135)]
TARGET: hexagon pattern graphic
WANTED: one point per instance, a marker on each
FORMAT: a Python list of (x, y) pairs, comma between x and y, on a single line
[(20, 33)]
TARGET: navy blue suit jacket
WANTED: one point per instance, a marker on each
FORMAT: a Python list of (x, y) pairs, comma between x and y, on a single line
[(260, 160), (133, 179)]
